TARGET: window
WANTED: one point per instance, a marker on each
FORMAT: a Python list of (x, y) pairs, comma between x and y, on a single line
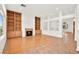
[(54, 25), (45, 25), (1, 24)]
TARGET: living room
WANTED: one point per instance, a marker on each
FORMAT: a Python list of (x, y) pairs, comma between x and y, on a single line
[(38, 28)]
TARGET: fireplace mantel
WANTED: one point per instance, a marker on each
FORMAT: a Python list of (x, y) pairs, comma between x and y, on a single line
[(29, 29)]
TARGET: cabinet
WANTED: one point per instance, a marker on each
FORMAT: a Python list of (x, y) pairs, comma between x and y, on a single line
[(13, 24)]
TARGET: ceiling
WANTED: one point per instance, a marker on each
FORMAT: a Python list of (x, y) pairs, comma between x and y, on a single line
[(51, 10)]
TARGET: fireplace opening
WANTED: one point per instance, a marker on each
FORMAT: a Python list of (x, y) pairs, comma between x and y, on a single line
[(28, 33)]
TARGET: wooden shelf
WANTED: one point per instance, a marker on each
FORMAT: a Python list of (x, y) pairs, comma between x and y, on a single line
[(13, 24), (37, 23)]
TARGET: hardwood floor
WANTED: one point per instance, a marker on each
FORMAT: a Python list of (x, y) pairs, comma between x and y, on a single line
[(40, 44)]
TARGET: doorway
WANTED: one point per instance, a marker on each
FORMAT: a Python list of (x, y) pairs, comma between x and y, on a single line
[(69, 27), (69, 34), (37, 25)]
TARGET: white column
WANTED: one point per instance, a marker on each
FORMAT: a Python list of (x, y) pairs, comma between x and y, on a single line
[(60, 24), (77, 30)]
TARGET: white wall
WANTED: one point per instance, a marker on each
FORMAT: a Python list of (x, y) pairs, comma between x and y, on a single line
[(51, 32), (27, 22), (23, 24), (60, 32), (77, 28), (3, 37)]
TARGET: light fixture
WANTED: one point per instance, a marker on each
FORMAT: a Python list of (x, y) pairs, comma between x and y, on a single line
[(57, 8)]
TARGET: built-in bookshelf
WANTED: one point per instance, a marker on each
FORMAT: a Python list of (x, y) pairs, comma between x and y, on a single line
[(13, 24), (37, 25)]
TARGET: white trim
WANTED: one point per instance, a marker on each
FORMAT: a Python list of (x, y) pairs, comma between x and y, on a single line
[(1, 12), (1, 37)]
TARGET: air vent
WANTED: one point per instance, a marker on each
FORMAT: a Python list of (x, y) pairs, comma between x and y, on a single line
[(23, 5)]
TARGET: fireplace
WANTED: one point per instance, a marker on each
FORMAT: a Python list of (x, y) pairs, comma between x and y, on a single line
[(29, 32)]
